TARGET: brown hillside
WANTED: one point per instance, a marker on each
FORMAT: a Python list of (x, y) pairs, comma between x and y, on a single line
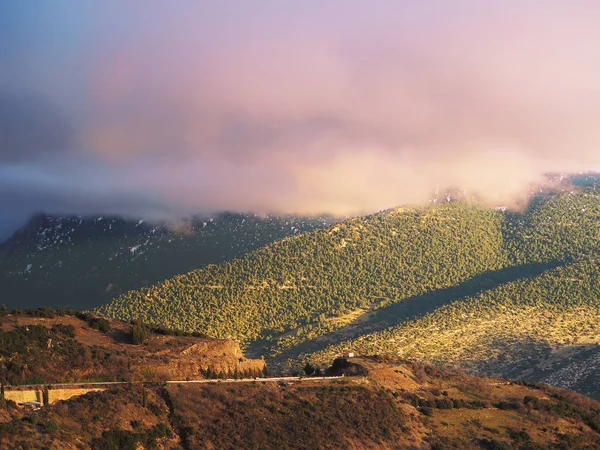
[(69, 349), (397, 405)]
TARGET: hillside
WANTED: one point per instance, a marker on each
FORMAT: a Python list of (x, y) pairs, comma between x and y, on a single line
[(83, 262), (543, 328), (322, 277), (68, 348), (451, 282), (397, 404)]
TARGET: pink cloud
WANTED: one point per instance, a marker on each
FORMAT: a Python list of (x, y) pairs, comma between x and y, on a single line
[(342, 107)]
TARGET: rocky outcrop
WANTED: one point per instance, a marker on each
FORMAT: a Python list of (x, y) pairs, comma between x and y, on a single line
[(217, 356), (50, 347)]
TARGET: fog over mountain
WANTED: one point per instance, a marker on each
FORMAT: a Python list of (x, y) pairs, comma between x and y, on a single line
[(295, 107)]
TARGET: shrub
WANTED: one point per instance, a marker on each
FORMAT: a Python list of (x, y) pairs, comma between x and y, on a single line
[(427, 411), (444, 403), (50, 426), (67, 330), (139, 332)]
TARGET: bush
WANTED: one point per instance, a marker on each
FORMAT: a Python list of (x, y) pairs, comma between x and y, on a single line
[(139, 332), (50, 426), (116, 440), (67, 330), (444, 403), (493, 444), (308, 369), (519, 435), (427, 411)]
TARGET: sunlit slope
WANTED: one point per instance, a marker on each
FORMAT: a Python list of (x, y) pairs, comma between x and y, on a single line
[(557, 226), (368, 274), (368, 262), (524, 319)]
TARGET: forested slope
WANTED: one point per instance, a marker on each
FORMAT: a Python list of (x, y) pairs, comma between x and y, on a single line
[(395, 281), (367, 262), (525, 328), (83, 262)]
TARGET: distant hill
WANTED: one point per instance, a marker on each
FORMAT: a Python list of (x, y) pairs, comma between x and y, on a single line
[(82, 262), (392, 404), (396, 281)]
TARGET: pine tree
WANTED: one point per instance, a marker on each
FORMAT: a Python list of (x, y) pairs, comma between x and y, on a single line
[(139, 332)]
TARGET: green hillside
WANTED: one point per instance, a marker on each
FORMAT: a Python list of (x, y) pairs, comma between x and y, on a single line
[(452, 282), (367, 262), (82, 263), (515, 329)]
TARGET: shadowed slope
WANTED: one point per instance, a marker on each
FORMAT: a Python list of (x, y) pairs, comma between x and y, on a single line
[(418, 305), (81, 263)]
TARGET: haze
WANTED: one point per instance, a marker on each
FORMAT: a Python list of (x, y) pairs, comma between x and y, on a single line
[(159, 109)]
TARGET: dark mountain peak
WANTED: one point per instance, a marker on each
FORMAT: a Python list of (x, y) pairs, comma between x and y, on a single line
[(26, 233), (85, 260)]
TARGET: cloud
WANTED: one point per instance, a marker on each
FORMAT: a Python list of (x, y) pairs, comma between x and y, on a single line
[(343, 107), (69, 188), (31, 127)]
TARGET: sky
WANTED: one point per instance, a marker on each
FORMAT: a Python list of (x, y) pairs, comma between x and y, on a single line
[(161, 109)]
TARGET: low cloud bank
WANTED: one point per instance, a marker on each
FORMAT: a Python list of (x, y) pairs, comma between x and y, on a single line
[(301, 107)]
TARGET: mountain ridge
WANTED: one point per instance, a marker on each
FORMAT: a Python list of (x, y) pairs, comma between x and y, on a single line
[(82, 262)]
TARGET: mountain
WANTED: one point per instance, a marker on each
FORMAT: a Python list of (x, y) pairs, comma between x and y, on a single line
[(326, 274), (386, 404), (487, 289), (82, 262)]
